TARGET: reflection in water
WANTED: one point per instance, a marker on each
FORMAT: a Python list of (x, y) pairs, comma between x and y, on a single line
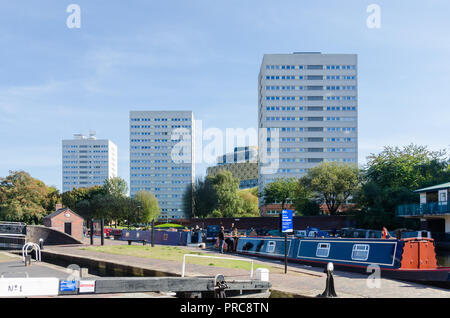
[(443, 258)]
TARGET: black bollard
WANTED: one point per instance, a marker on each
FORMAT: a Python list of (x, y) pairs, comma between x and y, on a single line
[(92, 231), (27, 260), (41, 244), (102, 231), (329, 288)]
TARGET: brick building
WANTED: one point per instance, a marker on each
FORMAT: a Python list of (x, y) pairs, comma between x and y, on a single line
[(66, 221), (274, 209)]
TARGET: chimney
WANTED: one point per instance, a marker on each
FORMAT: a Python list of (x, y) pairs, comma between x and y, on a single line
[(58, 206)]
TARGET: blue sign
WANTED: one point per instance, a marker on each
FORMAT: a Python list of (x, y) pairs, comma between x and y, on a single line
[(68, 285), (286, 221)]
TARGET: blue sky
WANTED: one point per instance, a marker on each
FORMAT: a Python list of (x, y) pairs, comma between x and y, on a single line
[(205, 56)]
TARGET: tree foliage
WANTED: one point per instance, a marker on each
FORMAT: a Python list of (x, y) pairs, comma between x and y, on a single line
[(149, 207), (200, 200), (333, 183), (390, 178), (117, 187), (219, 196), (229, 203), (410, 167), (86, 201), (25, 199), (280, 191), (305, 201), (250, 202), (109, 202)]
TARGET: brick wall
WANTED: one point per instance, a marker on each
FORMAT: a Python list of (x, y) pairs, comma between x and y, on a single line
[(49, 235), (58, 221), (324, 222), (266, 209)]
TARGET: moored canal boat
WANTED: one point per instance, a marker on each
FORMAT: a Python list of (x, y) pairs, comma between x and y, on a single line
[(412, 259)]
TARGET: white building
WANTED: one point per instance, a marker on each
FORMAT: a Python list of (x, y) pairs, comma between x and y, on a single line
[(310, 100), (87, 161), (162, 157)]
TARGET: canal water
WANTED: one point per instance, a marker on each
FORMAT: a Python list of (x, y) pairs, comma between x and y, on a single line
[(443, 258)]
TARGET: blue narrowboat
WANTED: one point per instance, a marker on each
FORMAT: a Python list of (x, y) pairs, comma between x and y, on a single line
[(408, 259), (162, 237)]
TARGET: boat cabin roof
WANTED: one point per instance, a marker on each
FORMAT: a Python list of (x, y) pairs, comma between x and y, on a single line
[(435, 188)]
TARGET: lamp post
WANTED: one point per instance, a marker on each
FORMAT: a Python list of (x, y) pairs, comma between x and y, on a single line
[(139, 213)]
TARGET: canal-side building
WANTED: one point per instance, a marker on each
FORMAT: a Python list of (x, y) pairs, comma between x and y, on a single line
[(66, 221), (433, 209)]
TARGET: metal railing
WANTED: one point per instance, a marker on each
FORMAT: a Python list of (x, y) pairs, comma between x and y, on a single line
[(13, 228), (218, 257), (433, 208), (33, 246), (12, 241)]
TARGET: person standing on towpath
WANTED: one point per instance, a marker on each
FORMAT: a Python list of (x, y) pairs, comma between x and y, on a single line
[(221, 237)]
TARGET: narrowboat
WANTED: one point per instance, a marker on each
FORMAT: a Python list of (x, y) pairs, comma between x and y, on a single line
[(162, 237), (412, 258)]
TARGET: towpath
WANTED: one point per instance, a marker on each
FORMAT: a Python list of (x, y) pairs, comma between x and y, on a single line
[(300, 280)]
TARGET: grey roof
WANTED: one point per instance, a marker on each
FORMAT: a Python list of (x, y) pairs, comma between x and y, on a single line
[(435, 188), (59, 211)]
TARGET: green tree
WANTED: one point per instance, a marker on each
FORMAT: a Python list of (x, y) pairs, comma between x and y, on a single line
[(250, 201), (114, 202), (280, 191), (377, 206), (117, 187), (215, 214), (149, 207), (84, 208), (200, 200), (389, 180), (109, 202), (305, 201), (333, 183), (71, 198), (229, 203), (25, 199), (85, 201), (53, 197), (410, 167)]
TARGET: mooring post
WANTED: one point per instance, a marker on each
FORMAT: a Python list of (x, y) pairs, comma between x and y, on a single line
[(102, 230), (153, 230), (84, 272), (41, 243), (92, 231), (27, 260), (329, 287)]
